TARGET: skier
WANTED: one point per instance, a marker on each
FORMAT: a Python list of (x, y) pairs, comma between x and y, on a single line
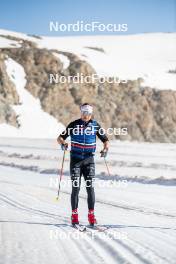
[(83, 134)]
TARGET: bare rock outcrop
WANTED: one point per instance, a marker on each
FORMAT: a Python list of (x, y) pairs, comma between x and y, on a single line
[(8, 96)]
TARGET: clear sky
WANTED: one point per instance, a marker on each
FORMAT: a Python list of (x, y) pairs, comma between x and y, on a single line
[(33, 16)]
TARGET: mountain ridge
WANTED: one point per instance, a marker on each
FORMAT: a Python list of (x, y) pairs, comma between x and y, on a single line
[(149, 114)]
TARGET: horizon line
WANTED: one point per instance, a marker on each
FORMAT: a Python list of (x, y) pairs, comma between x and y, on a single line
[(82, 35)]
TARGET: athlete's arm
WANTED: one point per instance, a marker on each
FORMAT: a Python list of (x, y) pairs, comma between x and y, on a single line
[(106, 145), (102, 136), (65, 134)]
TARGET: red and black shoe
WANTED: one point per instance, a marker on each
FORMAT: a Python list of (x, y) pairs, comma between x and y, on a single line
[(91, 218), (74, 217)]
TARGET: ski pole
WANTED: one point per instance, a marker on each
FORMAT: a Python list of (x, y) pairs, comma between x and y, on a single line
[(107, 167), (61, 174)]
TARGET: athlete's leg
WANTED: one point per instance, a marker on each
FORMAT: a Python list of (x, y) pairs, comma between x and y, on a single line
[(88, 169), (75, 172)]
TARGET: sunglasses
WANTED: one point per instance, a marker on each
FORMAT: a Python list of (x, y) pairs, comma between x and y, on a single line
[(85, 113)]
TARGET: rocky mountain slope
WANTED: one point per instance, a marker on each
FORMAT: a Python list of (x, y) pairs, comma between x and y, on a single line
[(148, 114), (8, 95)]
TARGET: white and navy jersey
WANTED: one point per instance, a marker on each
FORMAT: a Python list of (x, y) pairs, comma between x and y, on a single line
[(83, 135)]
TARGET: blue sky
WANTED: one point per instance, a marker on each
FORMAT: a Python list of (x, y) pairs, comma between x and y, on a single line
[(33, 17)]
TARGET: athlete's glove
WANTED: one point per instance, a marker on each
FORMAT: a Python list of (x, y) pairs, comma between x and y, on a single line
[(64, 146), (103, 153)]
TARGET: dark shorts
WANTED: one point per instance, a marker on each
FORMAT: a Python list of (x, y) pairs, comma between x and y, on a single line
[(85, 167)]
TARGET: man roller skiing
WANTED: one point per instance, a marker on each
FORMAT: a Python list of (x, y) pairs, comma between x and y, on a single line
[(83, 134)]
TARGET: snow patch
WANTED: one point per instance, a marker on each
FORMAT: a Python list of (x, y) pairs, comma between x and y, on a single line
[(34, 122), (64, 59), (149, 56), (17, 35), (7, 43)]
